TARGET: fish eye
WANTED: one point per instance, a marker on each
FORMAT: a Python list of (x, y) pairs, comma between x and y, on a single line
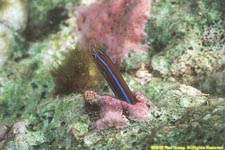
[(94, 56)]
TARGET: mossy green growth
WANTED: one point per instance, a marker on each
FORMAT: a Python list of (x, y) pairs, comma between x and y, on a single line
[(135, 60), (46, 16), (63, 122), (202, 125), (186, 41), (60, 122), (181, 32), (7, 43), (22, 138), (24, 84)]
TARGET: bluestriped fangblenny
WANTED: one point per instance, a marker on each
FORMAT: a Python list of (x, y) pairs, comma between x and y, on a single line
[(112, 75)]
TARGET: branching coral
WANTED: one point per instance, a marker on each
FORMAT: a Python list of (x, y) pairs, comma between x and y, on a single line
[(112, 110), (119, 25)]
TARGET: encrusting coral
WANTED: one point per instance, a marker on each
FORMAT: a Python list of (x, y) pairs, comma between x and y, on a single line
[(119, 25), (112, 110)]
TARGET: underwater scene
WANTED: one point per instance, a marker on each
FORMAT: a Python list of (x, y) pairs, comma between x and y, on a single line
[(112, 74)]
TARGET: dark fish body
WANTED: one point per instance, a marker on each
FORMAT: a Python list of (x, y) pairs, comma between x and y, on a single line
[(112, 75)]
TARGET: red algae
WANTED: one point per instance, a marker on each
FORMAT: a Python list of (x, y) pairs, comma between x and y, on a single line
[(112, 110), (141, 111)]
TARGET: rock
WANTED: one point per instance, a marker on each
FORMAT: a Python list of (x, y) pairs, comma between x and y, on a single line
[(7, 44), (87, 2), (14, 14), (160, 63), (13, 18)]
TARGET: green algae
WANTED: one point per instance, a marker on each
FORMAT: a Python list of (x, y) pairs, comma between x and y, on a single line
[(199, 126), (60, 119), (134, 61), (46, 16), (7, 43), (22, 84), (188, 47), (23, 139)]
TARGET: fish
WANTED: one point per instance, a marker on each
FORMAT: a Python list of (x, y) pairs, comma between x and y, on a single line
[(112, 75)]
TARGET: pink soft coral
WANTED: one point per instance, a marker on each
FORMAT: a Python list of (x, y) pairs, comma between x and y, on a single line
[(117, 24), (112, 110)]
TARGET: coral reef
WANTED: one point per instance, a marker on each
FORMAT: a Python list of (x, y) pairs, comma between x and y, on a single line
[(118, 25), (186, 43), (112, 110), (20, 137), (197, 123), (202, 69), (13, 20), (45, 17), (188, 48), (214, 83)]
